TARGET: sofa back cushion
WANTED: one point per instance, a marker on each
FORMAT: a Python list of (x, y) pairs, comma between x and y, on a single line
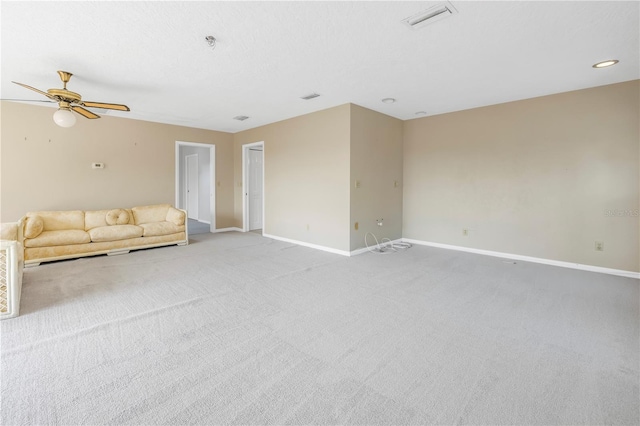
[(150, 214), (60, 220), (95, 219), (98, 218)]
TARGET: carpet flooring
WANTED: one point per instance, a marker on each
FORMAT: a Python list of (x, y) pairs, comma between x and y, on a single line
[(240, 329), (197, 227)]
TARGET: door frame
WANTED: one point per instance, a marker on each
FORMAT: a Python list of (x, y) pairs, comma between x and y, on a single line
[(245, 186), (186, 185), (212, 178)]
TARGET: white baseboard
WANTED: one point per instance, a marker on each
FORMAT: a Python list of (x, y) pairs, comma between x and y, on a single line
[(200, 220), (310, 245), (619, 272), (324, 248), (227, 230)]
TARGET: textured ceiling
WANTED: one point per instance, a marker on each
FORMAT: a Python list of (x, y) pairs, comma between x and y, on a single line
[(153, 57)]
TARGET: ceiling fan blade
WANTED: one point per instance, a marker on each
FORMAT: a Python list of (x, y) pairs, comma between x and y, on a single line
[(29, 100), (84, 112), (36, 90), (117, 107)]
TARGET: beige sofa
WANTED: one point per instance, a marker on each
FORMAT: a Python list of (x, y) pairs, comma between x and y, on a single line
[(56, 235)]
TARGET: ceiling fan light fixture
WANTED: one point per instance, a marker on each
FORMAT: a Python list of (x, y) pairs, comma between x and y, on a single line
[(64, 117), (70, 101)]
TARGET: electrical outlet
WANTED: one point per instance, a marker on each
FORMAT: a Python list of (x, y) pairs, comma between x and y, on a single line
[(379, 222), (356, 226), (599, 246), (465, 232), (357, 184), (395, 184)]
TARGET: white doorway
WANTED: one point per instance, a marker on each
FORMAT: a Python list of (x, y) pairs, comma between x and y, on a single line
[(195, 169), (191, 185), (253, 186)]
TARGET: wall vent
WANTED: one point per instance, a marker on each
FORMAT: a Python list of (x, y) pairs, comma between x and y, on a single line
[(240, 117), (311, 96), (429, 16)]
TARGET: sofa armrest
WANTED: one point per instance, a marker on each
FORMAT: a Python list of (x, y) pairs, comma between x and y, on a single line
[(176, 216), (12, 231)]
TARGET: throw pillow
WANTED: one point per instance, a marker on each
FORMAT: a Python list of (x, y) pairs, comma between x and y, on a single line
[(34, 226), (117, 217)]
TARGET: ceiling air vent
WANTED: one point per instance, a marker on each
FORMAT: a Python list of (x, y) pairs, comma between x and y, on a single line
[(240, 117), (311, 96), (429, 16)]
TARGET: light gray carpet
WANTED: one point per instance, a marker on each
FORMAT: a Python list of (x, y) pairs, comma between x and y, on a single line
[(240, 329), (197, 227)]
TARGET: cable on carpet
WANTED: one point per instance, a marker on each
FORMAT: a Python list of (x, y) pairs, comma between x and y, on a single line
[(385, 245)]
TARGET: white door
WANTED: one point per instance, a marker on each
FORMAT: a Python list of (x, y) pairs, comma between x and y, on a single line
[(191, 167), (255, 189)]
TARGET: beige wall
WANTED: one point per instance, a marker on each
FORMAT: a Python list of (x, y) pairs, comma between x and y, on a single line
[(532, 177), (44, 166), (306, 168), (376, 163)]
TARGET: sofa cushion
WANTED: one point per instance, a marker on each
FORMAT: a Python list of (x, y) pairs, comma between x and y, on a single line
[(95, 218), (114, 233), (175, 216), (160, 228), (33, 227), (150, 214), (58, 238), (117, 217), (61, 220)]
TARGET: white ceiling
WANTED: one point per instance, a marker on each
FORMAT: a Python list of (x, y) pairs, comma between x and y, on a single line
[(152, 56)]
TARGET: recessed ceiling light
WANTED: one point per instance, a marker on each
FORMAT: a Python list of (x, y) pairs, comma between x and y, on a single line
[(240, 117), (421, 113), (606, 63), (388, 100)]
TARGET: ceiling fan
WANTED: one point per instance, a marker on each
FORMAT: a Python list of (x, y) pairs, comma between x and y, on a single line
[(70, 101)]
